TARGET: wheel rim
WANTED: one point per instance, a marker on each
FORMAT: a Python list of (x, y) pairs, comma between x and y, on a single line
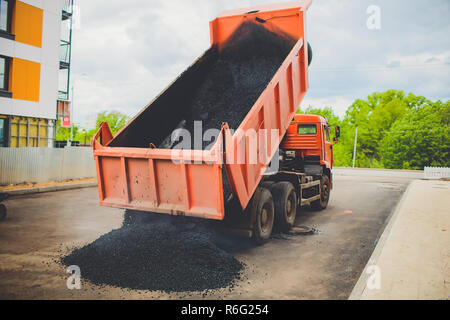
[(290, 205), (325, 192), (265, 219)]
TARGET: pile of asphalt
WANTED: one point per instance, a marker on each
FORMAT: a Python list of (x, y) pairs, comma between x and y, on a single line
[(158, 252), (245, 66)]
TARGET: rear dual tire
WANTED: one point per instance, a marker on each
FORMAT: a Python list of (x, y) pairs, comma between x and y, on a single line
[(285, 199), (263, 211), (273, 204)]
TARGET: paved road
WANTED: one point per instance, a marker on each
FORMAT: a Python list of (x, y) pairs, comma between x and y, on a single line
[(325, 265)]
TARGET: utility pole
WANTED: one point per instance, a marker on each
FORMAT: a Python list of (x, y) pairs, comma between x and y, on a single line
[(354, 148)]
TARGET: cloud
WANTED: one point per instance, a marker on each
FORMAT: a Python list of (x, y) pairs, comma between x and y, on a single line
[(394, 64), (125, 54)]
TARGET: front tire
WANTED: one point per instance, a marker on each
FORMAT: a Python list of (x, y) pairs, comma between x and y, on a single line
[(325, 189), (263, 210)]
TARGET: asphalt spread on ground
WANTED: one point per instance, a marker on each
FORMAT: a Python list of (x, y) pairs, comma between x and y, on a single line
[(159, 252)]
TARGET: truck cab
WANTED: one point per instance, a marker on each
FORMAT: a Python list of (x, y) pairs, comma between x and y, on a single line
[(307, 146)]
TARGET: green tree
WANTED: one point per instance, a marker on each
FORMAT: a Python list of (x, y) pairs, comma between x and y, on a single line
[(116, 120), (374, 117), (421, 138), (63, 134)]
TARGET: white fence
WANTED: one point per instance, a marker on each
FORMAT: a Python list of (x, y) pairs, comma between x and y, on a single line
[(409, 174), (18, 165), (436, 172)]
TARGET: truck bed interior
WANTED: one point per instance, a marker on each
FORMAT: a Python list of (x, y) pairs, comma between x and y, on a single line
[(219, 87)]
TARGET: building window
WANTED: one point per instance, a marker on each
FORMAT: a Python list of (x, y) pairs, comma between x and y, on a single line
[(3, 84), (4, 15), (4, 77), (6, 10)]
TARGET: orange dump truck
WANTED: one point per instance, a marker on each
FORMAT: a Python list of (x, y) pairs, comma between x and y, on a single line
[(135, 172)]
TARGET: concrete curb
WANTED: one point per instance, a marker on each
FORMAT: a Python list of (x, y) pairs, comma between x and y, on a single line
[(61, 187), (360, 285), (379, 169)]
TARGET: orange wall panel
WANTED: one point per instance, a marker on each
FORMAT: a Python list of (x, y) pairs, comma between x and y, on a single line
[(18, 76), (33, 81), (25, 79), (27, 24)]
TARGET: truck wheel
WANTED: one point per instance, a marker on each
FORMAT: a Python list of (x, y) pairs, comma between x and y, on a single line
[(2, 212), (267, 184), (324, 195), (263, 212), (285, 200)]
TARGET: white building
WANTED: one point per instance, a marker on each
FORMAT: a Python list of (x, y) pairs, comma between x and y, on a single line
[(30, 48)]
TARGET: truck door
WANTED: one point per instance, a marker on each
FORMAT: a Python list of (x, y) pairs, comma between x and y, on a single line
[(328, 147)]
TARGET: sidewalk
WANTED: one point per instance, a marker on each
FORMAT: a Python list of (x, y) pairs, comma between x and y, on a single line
[(413, 254), (28, 188)]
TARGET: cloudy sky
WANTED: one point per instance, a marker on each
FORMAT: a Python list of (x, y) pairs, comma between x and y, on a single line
[(126, 52)]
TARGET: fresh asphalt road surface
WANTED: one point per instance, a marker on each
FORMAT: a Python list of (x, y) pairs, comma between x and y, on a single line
[(323, 265)]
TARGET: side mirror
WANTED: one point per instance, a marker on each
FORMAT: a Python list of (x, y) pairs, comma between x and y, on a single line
[(338, 132)]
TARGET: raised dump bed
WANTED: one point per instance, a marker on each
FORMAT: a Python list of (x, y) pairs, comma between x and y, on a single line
[(253, 77)]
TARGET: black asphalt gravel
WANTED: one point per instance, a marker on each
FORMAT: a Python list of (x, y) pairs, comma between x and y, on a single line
[(158, 252), (246, 64)]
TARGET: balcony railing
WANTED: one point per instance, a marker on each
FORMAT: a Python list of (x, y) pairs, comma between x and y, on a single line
[(67, 8), (64, 52)]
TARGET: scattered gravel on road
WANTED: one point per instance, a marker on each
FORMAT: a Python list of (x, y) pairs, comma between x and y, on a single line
[(158, 252)]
